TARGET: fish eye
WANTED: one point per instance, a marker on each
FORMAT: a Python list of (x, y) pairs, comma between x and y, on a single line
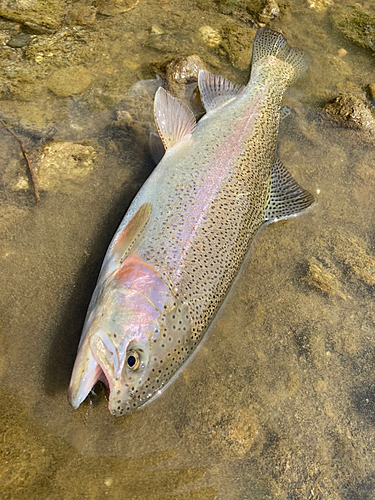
[(133, 360)]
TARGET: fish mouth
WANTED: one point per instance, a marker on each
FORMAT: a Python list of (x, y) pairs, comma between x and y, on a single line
[(86, 373), (82, 382)]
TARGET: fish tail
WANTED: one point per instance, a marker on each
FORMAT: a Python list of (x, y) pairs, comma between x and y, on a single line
[(269, 43)]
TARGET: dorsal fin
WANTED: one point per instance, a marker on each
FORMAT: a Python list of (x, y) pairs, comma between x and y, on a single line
[(173, 119), (126, 240), (216, 90), (285, 197)]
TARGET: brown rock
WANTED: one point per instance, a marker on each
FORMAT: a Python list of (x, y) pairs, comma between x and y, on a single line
[(49, 13), (69, 81), (62, 163), (82, 15), (114, 7), (350, 111), (321, 279)]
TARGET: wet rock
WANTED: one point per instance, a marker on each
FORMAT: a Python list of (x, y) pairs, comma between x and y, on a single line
[(156, 30), (62, 163), (348, 110), (238, 43), (37, 29), (169, 43), (338, 65), (341, 53), (319, 5), (355, 23), (353, 89), (226, 6), (81, 15), (181, 78), (114, 7), (34, 117), (371, 89), (271, 11), (320, 278), (19, 41), (181, 74), (49, 13), (210, 36), (184, 69), (65, 82)]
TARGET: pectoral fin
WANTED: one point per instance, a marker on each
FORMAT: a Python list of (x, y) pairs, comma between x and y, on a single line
[(285, 197), (131, 233), (216, 90), (173, 119)]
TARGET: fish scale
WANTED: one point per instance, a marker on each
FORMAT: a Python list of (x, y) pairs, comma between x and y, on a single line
[(179, 247)]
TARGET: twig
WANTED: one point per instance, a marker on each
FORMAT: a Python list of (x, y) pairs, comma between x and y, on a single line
[(31, 170)]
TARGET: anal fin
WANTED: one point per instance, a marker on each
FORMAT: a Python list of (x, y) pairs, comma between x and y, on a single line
[(285, 197)]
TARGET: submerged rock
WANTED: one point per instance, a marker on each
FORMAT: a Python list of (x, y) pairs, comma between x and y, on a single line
[(81, 15), (322, 279), (62, 162), (19, 41), (114, 7), (210, 36), (238, 43), (65, 82), (271, 11), (49, 13), (319, 5), (184, 69), (38, 29), (348, 110), (181, 77), (355, 23)]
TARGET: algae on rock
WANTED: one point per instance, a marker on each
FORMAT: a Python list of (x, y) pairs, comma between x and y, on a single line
[(63, 162), (355, 23), (69, 81), (348, 110), (238, 43)]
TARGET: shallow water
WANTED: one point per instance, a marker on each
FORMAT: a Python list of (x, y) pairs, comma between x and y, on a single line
[(279, 400)]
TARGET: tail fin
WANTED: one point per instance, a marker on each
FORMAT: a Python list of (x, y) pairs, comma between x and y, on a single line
[(271, 43)]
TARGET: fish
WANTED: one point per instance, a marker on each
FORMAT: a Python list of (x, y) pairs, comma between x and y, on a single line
[(182, 241)]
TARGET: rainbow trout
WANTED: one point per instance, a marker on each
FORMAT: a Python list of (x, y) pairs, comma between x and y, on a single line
[(182, 241)]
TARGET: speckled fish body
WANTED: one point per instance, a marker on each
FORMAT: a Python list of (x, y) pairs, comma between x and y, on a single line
[(181, 243)]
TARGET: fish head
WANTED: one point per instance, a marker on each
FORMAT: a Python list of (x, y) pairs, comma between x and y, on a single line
[(134, 344), (116, 350)]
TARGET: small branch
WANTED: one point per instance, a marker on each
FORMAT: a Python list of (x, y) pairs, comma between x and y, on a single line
[(31, 170)]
